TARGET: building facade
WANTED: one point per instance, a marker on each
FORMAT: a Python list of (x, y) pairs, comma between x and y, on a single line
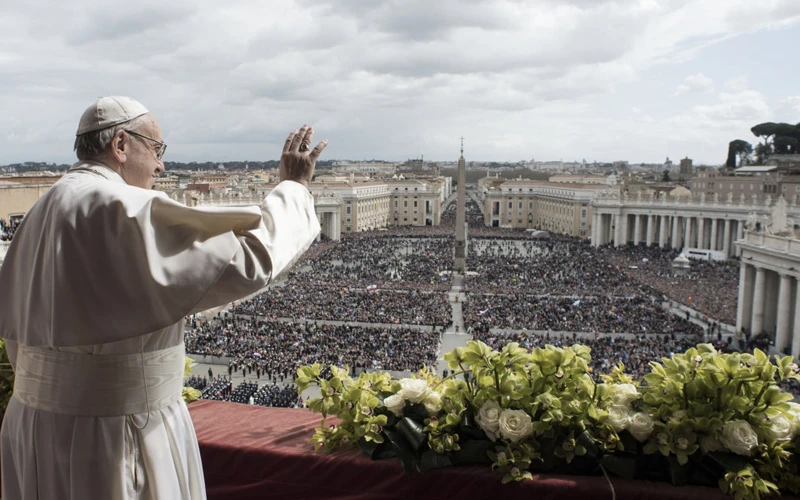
[(548, 206), (680, 223), (769, 289)]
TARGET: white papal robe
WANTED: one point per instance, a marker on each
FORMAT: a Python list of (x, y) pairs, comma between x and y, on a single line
[(101, 274)]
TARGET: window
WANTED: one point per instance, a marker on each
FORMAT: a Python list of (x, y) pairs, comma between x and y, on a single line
[(415, 203), (510, 204), (348, 210), (530, 205), (348, 228), (583, 213), (405, 219), (520, 205), (395, 203), (405, 203)]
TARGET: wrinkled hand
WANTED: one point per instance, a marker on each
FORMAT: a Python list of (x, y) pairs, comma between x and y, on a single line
[(297, 165)]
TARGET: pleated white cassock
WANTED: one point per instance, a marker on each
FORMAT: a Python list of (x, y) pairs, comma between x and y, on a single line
[(95, 287)]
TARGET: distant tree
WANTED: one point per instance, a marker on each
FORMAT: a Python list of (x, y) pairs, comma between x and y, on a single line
[(665, 176), (785, 145), (738, 149)]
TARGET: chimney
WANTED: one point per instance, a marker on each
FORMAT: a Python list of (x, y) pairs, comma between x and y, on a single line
[(352, 177)]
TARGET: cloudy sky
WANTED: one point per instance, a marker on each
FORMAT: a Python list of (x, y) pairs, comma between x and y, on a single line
[(603, 80)]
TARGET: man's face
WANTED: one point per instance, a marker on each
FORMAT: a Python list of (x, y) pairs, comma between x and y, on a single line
[(142, 166)]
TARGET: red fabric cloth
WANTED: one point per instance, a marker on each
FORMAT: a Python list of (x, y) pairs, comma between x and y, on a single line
[(250, 452)]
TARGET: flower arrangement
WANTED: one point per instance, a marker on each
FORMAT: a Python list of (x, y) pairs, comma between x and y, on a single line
[(189, 394), (700, 417)]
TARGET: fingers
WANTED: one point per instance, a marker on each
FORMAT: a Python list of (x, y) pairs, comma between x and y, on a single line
[(308, 138), (287, 145), (298, 137), (317, 150)]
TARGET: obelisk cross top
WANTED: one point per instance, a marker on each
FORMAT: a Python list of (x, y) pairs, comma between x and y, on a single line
[(462, 145)]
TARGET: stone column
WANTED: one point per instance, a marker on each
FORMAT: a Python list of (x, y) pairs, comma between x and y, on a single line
[(662, 234), (713, 241), (651, 226), (637, 229), (618, 231), (726, 238), (675, 233), (758, 302), (687, 240), (743, 294), (739, 236), (795, 334), (784, 300), (701, 232)]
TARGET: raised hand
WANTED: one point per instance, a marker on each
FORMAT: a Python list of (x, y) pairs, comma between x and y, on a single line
[(298, 159)]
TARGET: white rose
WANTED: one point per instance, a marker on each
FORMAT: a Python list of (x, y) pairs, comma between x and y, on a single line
[(780, 429), (433, 403), (489, 416), (794, 417), (739, 437), (625, 394), (413, 389), (515, 425), (641, 426), (395, 404), (619, 417), (709, 444)]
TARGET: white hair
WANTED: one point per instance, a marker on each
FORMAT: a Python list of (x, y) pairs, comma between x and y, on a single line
[(91, 145)]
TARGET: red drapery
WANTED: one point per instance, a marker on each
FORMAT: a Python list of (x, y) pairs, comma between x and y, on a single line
[(250, 452)]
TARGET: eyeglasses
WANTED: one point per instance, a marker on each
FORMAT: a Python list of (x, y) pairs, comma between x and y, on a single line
[(161, 149)]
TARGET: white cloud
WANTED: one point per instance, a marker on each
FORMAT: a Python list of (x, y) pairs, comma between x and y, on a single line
[(793, 104), (381, 79), (695, 83)]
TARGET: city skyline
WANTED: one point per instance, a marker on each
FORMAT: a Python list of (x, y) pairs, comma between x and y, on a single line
[(635, 80)]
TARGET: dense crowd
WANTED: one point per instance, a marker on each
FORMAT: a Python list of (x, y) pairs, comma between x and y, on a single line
[(638, 315), (7, 229), (388, 262), (310, 300), (248, 392), (555, 266), (709, 287), (274, 349)]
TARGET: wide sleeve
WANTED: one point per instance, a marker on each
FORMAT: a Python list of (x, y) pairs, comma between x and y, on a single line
[(289, 227), (100, 262)]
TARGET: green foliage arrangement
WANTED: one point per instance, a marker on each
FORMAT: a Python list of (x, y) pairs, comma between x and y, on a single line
[(700, 417), (6, 377), (189, 393)]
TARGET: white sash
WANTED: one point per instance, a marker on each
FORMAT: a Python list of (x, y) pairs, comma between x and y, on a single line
[(98, 385)]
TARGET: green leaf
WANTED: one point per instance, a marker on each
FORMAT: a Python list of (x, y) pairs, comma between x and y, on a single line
[(414, 433), (403, 450)]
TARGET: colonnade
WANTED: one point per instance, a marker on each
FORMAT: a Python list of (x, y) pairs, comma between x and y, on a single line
[(678, 231), (769, 302)]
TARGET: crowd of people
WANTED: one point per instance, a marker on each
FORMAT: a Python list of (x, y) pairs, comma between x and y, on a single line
[(8, 228), (327, 309), (311, 300), (388, 262), (638, 315), (247, 392), (709, 287), (273, 350)]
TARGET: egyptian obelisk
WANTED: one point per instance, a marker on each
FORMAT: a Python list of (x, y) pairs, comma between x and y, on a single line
[(461, 223)]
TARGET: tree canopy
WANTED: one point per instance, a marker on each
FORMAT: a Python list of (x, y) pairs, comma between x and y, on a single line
[(738, 149), (779, 138)]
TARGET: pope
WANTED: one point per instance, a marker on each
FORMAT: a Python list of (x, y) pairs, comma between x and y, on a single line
[(96, 284)]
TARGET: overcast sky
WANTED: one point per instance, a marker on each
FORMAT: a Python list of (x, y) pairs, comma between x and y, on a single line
[(635, 80)]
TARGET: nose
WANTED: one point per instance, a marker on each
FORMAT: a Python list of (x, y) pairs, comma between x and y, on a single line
[(160, 168)]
